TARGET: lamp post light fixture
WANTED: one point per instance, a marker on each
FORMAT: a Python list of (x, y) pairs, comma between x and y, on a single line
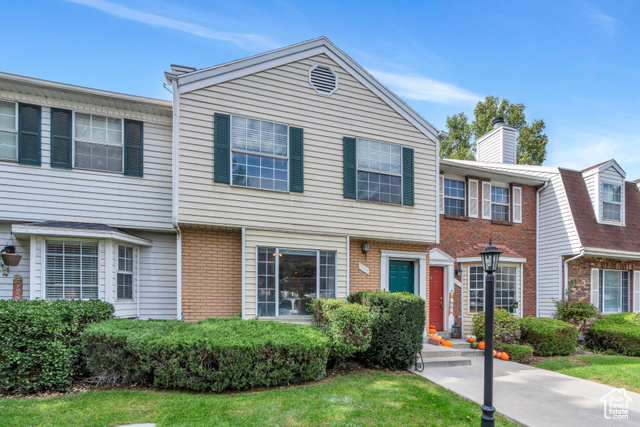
[(490, 257)]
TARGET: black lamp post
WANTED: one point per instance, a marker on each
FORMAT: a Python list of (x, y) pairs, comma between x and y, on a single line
[(490, 257)]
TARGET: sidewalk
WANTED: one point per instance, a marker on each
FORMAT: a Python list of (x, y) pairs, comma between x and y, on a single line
[(533, 396)]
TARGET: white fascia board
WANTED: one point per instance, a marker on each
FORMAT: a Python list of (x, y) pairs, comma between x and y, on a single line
[(611, 253), (189, 82), (612, 163), (455, 167), (437, 254), (25, 230), (502, 259), (493, 165)]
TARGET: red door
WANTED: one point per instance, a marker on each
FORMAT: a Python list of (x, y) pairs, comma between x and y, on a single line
[(436, 297)]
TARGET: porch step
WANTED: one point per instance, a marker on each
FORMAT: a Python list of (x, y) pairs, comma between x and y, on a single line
[(470, 352), (459, 343), (444, 334), (438, 351), (439, 362)]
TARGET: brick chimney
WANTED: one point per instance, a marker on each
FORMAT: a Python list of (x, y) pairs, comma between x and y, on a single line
[(499, 145)]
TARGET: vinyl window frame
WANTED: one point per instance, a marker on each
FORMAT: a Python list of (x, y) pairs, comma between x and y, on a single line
[(508, 204), (74, 139), (131, 273), (13, 131), (516, 297), (253, 153), (601, 290), (277, 278), (44, 273), (618, 204), (463, 198), (368, 170)]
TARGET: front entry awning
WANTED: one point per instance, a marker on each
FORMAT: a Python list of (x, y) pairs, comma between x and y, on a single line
[(77, 230)]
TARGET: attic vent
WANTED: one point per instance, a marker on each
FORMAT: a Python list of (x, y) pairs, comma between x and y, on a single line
[(323, 79)]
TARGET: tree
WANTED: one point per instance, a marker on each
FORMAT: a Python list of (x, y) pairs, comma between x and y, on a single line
[(531, 145)]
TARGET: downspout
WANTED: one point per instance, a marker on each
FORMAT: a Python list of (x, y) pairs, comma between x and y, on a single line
[(546, 184), (566, 271), (348, 263), (175, 187), (243, 272)]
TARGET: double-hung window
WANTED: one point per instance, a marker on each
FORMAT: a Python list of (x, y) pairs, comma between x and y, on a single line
[(99, 142), (8, 131), (71, 270), (259, 154), (125, 272), (288, 279), (506, 285), (379, 166), (611, 202), (499, 203), (454, 198)]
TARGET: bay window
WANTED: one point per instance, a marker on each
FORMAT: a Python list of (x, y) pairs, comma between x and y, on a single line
[(287, 280), (71, 270), (379, 171), (125, 272), (506, 289), (99, 142), (454, 197), (259, 154), (8, 131)]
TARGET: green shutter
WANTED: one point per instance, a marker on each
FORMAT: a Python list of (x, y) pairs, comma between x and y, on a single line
[(29, 134), (349, 167), (407, 176), (221, 147), (60, 138), (296, 167), (133, 148)]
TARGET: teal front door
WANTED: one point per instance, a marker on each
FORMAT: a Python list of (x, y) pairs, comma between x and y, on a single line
[(401, 276)]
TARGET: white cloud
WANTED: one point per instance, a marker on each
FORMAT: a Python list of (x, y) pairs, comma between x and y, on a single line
[(421, 88), (254, 42), (605, 23)]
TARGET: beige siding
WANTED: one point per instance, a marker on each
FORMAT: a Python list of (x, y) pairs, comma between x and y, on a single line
[(284, 95), (256, 238)]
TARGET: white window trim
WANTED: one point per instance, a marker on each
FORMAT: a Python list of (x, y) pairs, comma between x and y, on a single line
[(14, 131), (420, 278), (132, 273), (43, 261), (517, 297), (401, 174), (508, 204), (110, 144), (253, 153), (601, 202), (604, 271), (463, 198), (277, 273), (517, 207)]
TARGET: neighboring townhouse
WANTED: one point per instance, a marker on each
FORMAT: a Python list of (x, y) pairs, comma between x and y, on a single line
[(479, 203), (86, 195), (588, 235), (300, 176)]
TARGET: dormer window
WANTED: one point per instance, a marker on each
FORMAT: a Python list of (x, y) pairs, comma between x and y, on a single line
[(611, 202)]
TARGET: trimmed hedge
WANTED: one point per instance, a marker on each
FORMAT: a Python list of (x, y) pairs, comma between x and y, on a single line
[(397, 324), (576, 312), (40, 342), (516, 352), (505, 326), (618, 332), (348, 326), (548, 337), (210, 355)]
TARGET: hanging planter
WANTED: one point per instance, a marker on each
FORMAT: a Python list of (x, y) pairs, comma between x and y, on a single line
[(9, 256)]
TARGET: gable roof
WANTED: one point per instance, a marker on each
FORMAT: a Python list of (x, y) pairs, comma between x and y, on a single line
[(199, 79), (606, 165), (602, 236)]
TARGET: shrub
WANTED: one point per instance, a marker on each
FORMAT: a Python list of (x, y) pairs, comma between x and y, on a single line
[(39, 342), (516, 352), (210, 355), (505, 327), (576, 312), (397, 324), (549, 337), (617, 332), (347, 325)]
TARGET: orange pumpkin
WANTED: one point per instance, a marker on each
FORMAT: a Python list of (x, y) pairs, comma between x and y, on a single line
[(431, 327), (494, 353), (505, 356), (471, 339), (481, 345), (448, 344), (498, 355)]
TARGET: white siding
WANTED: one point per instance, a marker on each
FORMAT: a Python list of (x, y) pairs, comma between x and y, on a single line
[(509, 145), (489, 147), (37, 193), (22, 248), (255, 238), (157, 276), (283, 94)]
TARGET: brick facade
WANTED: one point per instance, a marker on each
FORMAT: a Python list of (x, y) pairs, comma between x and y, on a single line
[(579, 273), (211, 273), (460, 233)]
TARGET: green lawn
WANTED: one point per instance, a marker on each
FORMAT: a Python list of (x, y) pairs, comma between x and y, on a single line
[(370, 398), (616, 371)]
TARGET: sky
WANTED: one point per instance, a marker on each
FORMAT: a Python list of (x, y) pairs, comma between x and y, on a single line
[(574, 64)]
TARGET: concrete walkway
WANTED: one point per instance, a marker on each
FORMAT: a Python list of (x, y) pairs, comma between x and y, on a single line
[(533, 396)]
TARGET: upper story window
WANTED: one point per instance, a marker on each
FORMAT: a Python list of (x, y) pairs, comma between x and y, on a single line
[(259, 152), (454, 197), (99, 142), (8, 131), (499, 203), (71, 269), (379, 166), (611, 202), (125, 272)]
